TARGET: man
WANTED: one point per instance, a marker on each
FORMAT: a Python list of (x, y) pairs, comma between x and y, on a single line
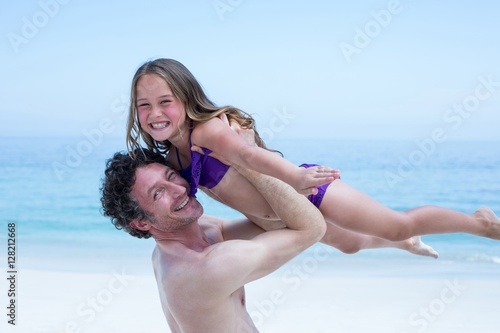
[(202, 263)]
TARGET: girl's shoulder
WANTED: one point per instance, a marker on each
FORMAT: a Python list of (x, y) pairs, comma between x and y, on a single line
[(206, 130), (207, 124)]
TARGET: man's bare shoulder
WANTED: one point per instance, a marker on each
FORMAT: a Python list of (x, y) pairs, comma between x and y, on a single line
[(211, 220), (213, 227)]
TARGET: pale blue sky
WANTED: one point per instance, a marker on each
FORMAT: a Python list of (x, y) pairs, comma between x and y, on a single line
[(369, 70)]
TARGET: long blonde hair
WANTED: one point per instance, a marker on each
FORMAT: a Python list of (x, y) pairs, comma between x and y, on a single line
[(185, 87)]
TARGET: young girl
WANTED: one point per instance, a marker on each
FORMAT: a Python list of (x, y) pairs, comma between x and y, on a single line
[(170, 112)]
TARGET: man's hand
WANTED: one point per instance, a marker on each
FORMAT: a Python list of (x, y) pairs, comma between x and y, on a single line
[(247, 134)]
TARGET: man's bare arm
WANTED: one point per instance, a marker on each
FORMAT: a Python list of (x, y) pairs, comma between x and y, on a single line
[(232, 264), (294, 210)]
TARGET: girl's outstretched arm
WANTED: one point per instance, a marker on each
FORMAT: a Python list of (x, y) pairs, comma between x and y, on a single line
[(216, 135)]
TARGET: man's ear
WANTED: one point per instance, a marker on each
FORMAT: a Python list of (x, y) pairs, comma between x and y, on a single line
[(140, 225)]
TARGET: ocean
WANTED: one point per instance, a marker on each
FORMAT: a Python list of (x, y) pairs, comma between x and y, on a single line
[(50, 191)]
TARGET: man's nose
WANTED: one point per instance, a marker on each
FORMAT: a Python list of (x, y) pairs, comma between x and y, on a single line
[(176, 190)]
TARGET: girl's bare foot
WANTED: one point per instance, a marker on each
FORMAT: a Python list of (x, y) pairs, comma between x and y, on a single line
[(416, 246), (490, 222)]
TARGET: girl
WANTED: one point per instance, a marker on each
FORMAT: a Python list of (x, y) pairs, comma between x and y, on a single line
[(170, 112)]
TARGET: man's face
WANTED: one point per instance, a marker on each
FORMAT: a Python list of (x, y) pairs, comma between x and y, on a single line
[(164, 195)]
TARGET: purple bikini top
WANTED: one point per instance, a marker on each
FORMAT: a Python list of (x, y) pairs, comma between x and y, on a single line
[(203, 171)]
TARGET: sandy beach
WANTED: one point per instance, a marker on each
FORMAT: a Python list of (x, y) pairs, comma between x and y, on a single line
[(77, 274), (343, 294), (403, 97)]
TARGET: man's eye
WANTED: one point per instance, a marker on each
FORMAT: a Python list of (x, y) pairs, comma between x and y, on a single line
[(156, 194)]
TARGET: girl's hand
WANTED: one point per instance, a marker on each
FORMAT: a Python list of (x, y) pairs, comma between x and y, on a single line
[(308, 178)]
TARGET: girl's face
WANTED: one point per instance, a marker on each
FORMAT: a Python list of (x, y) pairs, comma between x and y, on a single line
[(161, 114)]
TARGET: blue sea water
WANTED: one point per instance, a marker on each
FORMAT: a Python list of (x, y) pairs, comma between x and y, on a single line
[(50, 190)]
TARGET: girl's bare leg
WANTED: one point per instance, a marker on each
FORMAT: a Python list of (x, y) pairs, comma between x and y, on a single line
[(351, 242), (354, 210)]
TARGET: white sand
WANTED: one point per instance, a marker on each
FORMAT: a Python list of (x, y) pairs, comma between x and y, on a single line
[(381, 305), (356, 296)]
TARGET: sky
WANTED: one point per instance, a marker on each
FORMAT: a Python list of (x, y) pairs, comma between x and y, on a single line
[(405, 69)]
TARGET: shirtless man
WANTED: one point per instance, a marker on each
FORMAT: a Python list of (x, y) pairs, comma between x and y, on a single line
[(202, 263)]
